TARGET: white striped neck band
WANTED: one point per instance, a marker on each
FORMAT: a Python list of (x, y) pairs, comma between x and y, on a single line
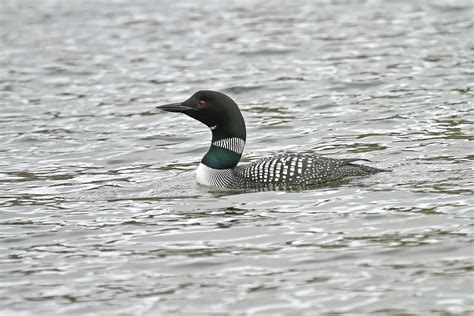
[(234, 144)]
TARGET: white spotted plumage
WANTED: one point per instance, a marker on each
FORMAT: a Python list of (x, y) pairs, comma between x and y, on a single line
[(282, 171)]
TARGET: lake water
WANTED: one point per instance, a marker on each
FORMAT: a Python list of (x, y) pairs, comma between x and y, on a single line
[(99, 210)]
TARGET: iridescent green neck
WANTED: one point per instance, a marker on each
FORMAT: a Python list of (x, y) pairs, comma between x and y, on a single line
[(220, 158), (228, 142)]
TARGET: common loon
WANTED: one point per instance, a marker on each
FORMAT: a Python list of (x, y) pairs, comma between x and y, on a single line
[(219, 167)]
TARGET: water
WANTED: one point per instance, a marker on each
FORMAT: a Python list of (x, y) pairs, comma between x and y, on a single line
[(99, 210)]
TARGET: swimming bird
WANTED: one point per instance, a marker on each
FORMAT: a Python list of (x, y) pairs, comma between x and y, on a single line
[(219, 167)]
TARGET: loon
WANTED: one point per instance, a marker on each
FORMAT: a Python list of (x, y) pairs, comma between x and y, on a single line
[(218, 168)]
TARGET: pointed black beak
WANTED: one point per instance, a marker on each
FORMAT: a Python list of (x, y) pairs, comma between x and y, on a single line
[(174, 107)]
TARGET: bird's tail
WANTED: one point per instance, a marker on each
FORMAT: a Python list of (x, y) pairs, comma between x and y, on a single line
[(362, 169)]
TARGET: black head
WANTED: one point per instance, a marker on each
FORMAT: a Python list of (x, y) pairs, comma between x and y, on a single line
[(215, 109)]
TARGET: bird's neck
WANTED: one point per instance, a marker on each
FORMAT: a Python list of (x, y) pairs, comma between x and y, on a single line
[(225, 151)]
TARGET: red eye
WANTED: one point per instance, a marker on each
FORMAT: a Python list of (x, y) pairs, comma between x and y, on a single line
[(201, 104)]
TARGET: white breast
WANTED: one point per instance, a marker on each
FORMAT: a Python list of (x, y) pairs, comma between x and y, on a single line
[(213, 177)]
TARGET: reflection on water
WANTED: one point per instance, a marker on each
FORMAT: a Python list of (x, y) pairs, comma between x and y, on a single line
[(99, 210)]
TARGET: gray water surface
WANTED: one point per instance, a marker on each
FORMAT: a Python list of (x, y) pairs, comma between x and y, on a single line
[(99, 210)]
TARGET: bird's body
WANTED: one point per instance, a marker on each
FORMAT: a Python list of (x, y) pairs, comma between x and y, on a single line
[(219, 166), (282, 171)]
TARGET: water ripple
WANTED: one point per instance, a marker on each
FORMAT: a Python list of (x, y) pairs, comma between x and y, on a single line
[(100, 212)]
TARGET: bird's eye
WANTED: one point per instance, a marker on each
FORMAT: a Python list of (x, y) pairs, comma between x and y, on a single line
[(201, 104)]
